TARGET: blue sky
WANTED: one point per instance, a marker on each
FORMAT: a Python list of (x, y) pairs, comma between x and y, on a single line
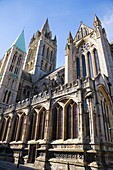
[(63, 15)]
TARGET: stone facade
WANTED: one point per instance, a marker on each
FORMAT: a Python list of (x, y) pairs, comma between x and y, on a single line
[(61, 119)]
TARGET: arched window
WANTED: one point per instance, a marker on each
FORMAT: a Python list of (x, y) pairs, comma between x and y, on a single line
[(3, 122), (47, 55), (50, 68), (7, 120), (42, 64), (19, 60), (83, 66), (78, 67), (90, 64), (72, 120), (78, 36), (11, 68), (15, 127), (14, 58), (43, 50), (57, 117), (105, 116), (9, 94), (51, 56), (42, 116), (96, 61), (16, 71), (32, 128), (45, 66), (82, 33), (5, 95), (21, 126)]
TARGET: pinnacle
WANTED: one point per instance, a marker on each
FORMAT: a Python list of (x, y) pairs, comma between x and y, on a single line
[(70, 38)]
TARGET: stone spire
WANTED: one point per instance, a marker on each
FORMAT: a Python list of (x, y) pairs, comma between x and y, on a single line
[(46, 27), (20, 42), (70, 38), (97, 21)]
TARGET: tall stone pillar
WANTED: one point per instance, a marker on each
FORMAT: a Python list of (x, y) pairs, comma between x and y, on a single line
[(8, 137)]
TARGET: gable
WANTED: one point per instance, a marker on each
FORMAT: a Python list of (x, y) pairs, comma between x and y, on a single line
[(82, 32)]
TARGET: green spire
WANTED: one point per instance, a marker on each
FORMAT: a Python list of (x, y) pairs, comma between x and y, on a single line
[(20, 42)]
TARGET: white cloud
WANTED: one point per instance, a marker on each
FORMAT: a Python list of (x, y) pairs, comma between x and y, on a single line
[(107, 23)]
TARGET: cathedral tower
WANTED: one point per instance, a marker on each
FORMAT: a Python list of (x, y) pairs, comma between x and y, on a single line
[(10, 71), (41, 58)]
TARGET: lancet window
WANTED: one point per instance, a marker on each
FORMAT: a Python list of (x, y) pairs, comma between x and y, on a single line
[(33, 118), (14, 58), (96, 61), (5, 95), (57, 122), (78, 67), (90, 64), (41, 129), (20, 127), (83, 66), (15, 127), (47, 55), (72, 120), (43, 51), (65, 121), (5, 128), (105, 108), (8, 97)]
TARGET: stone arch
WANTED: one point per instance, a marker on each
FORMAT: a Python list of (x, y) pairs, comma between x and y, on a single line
[(18, 126), (71, 119), (32, 127), (106, 112), (15, 126), (96, 59), (5, 128), (40, 122), (103, 90), (57, 122), (64, 119), (90, 64)]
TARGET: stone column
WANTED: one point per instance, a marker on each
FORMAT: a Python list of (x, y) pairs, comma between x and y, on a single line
[(92, 132), (72, 117), (8, 137), (11, 133), (80, 108), (37, 124), (64, 124), (46, 126), (4, 130), (57, 128)]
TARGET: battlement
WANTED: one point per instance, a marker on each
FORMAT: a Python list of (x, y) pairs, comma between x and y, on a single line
[(51, 93)]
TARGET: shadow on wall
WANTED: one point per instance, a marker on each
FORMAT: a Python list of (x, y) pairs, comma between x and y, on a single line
[(6, 153)]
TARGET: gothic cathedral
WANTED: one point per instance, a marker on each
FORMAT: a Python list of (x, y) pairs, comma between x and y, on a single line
[(58, 119)]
